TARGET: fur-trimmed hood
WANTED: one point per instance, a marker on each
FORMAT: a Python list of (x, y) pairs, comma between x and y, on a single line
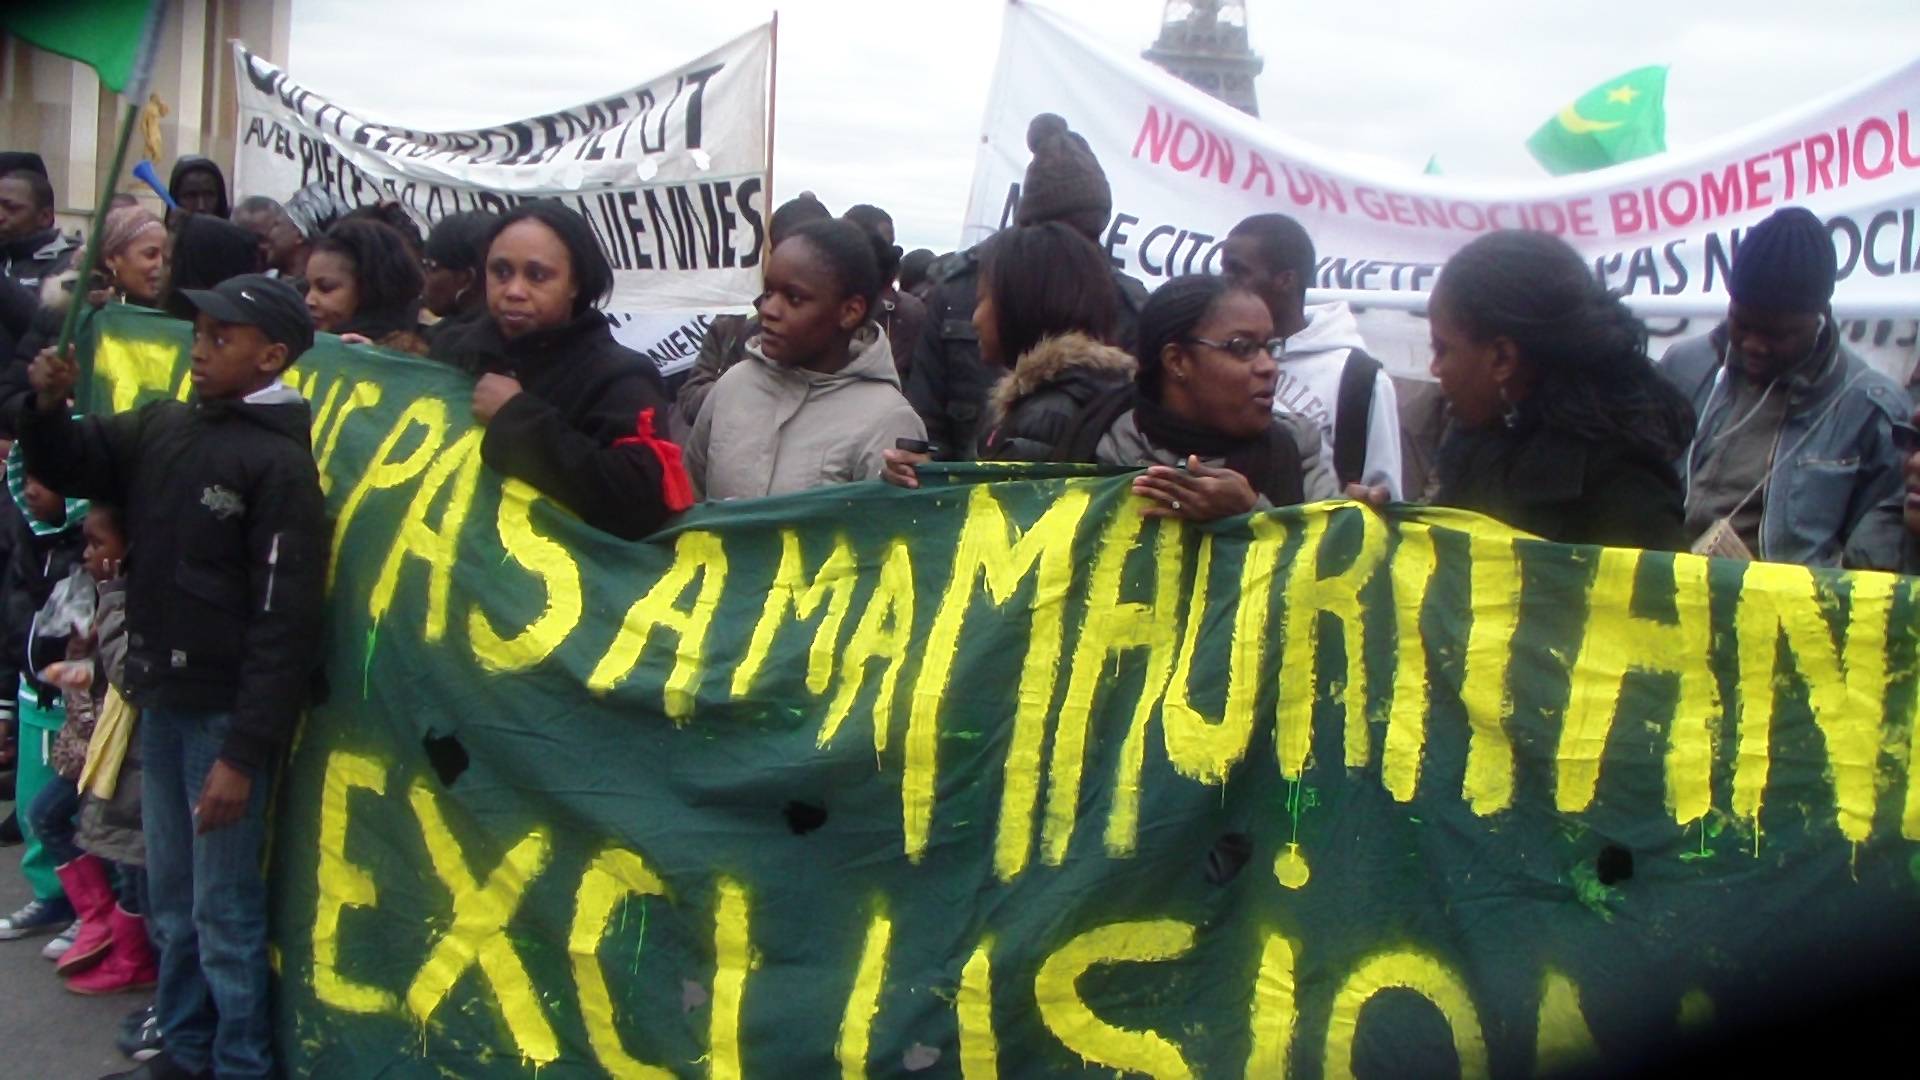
[(1052, 359)]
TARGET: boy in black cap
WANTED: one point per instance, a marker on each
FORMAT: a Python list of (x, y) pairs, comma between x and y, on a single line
[(1795, 444), (225, 585)]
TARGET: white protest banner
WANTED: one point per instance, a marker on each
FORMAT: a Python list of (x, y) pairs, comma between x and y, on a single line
[(672, 174), (1185, 167)]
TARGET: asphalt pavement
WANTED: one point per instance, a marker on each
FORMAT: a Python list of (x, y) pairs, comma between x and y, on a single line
[(46, 1032)]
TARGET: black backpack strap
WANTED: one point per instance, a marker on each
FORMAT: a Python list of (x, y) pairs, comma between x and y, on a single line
[(1353, 416)]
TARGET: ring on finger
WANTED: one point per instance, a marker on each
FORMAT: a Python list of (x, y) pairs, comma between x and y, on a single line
[(1176, 504)]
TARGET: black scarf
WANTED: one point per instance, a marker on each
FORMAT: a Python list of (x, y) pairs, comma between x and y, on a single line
[(1270, 461), (376, 324)]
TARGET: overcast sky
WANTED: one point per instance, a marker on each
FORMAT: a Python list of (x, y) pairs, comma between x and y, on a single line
[(880, 100)]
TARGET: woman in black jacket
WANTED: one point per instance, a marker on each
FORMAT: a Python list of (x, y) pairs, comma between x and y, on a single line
[(1047, 305), (566, 408), (1561, 426)]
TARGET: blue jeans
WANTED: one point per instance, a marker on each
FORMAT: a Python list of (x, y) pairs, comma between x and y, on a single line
[(208, 902), (52, 812)]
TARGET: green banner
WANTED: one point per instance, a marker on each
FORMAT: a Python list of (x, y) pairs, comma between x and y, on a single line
[(998, 779)]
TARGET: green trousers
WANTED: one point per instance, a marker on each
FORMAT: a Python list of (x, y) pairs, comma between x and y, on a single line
[(37, 729)]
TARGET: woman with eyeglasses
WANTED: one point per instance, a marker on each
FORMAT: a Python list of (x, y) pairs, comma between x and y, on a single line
[(1199, 411), (1561, 425)]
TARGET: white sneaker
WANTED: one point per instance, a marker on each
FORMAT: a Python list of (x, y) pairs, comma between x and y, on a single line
[(58, 947)]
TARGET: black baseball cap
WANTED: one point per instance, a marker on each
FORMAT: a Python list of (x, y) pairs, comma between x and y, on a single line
[(258, 300)]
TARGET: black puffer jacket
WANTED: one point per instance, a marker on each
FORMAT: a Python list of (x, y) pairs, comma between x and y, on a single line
[(584, 394), (1031, 409), (226, 580), (1563, 487), (32, 259), (948, 382), (42, 557)]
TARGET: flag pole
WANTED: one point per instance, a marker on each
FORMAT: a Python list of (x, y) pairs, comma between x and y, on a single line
[(773, 97), (136, 92)]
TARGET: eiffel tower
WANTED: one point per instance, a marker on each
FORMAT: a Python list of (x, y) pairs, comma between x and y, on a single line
[(1204, 42)]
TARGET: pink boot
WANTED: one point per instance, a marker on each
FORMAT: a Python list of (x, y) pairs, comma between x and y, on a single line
[(85, 880), (130, 963)]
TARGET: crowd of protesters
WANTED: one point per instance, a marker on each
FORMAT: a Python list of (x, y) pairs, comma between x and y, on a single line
[(164, 569)]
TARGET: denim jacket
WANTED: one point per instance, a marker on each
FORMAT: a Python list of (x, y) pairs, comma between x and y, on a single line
[(1834, 460)]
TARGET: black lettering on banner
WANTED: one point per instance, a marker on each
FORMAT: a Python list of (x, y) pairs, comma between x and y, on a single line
[(744, 199), (699, 80)]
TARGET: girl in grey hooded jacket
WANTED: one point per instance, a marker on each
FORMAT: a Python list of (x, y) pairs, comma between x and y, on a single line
[(817, 400)]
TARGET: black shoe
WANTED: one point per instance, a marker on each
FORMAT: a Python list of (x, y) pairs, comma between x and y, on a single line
[(159, 1068), (140, 1035), (10, 831)]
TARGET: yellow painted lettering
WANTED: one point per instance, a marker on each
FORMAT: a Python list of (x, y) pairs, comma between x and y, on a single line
[(1274, 1011), (458, 464), (1412, 568), (1196, 746), (792, 592), (1617, 641), (1846, 690), (343, 885), (696, 554), (479, 931), (363, 396), (1129, 626), (885, 632), (1488, 785), (1562, 1041), (979, 1047), (986, 551), (1056, 990), (430, 415), (1310, 595), (856, 1026), (1111, 628), (613, 877), (733, 956), (553, 564), (1424, 976)]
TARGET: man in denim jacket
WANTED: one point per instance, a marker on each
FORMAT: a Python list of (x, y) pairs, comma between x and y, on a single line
[(1796, 438)]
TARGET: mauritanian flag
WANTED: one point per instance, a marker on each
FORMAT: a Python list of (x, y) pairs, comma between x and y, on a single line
[(1619, 120), (106, 35)]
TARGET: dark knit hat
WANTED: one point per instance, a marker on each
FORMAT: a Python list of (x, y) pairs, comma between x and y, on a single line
[(1064, 177), (1785, 263)]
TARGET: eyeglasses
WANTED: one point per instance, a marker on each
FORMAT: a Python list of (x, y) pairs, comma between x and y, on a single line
[(1242, 348)]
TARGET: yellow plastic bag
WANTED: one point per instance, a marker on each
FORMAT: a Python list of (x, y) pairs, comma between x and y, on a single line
[(108, 747)]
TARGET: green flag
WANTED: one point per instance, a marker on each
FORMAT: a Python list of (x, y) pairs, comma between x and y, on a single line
[(1620, 120), (103, 34)]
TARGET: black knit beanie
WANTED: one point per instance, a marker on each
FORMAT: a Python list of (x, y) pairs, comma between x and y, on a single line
[(1064, 177), (1785, 263)]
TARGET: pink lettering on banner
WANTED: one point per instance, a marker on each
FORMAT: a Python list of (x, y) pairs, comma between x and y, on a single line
[(1865, 167)]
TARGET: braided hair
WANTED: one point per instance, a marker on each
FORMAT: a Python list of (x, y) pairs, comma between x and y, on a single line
[(1169, 317), (1586, 350)]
